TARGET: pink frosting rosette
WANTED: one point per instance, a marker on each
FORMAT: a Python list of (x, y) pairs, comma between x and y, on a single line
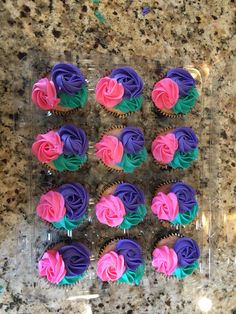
[(109, 150), (109, 92), (165, 206), (47, 147), (110, 266), (44, 94), (165, 94), (165, 260), (110, 210), (164, 148), (51, 206), (52, 266)]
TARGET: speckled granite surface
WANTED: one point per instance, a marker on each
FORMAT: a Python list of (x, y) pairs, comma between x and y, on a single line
[(194, 31)]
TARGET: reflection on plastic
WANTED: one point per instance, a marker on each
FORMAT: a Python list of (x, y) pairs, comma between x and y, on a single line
[(205, 304), (83, 297)]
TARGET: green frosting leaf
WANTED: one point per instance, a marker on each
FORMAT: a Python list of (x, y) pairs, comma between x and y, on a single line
[(70, 280), (132, 104), (76, 101), (182, 160), (69, 162), (131, 276), (67, 223), (185, 104), (132, 219), (131, 161), (186, 217), (182, 272)]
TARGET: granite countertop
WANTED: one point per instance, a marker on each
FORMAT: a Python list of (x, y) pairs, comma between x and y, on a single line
[(189, 32)]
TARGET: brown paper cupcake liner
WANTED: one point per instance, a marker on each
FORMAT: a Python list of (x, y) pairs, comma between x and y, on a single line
[(107, 186), (47, 223), (66, 241), (68, 112)]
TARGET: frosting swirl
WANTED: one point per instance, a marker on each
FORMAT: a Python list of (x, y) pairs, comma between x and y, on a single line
[(130, 162), (67, 78), (134, 218), (184, 161), (164, 148), (165, 94), (130, 195), (47, 147), (165, 206), (182, 272), (51, 206), (76, 200), (131, 251), (78, 100), (68, 224), (109, 150), (132, 104), (187, 251), (187, 140), (185, 104), (110, 210), (185, 195), (44, 94), (133, 276), (74, 139), (109, 92), (164, 260), (131, 81), (69, 162), (183, 78), (76, 258), (52, 266), (132, 139), (186, 217), (110, 266)]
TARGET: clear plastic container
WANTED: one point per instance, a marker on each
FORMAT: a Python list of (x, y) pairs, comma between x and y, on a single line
[(33, 240)]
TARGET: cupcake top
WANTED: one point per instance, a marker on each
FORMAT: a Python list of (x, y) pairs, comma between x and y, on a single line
[(121, 91), (64, 207), (175, 203), (63, 149), (64, 264), (122, 261), (176, 256), (63, 90), (122, 148), (176, 93), (176, 148), (121, 205)]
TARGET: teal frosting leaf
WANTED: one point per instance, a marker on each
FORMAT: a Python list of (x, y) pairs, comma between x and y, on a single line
[(70, 280), (130, 162), (131, 276), (186, 217), (132, 104), (69, 162), (182, 272), (78, 100), (184, 160), (67, 223), (185, 104), (134, 218)]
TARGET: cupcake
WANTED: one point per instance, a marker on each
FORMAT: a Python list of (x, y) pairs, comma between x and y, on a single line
[(121, 205), (64, 264), (120, 93), (62, 91), (175, 203), (121, 260), (64, 207), (176, 256), (176, 93), (122, 148), (62, 149), (175, 148)]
